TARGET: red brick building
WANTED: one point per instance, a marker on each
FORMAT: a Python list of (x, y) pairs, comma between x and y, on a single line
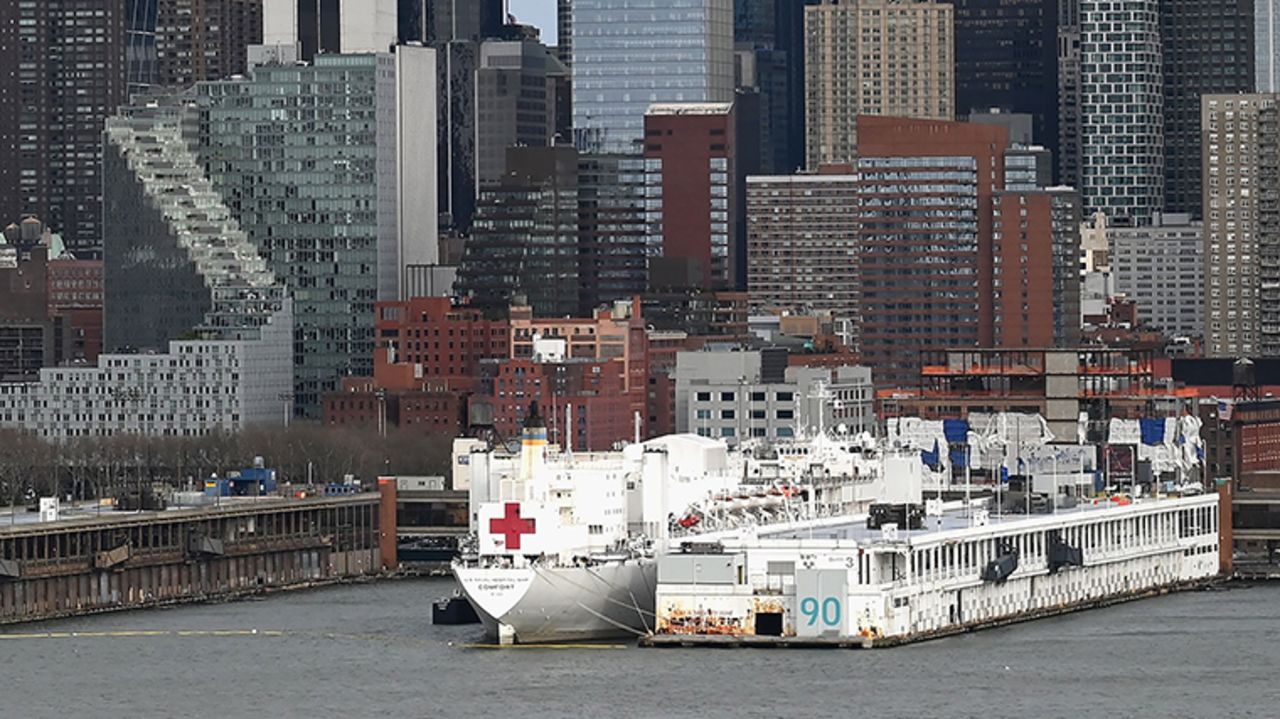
[(601, 409), (75, 294), (1036, 268), (926, 250), (445, 340), (689, 164)]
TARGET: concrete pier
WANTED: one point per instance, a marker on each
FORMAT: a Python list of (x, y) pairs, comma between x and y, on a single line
[(123, 561)]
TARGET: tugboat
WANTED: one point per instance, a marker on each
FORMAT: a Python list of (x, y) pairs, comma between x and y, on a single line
[(453, 610)]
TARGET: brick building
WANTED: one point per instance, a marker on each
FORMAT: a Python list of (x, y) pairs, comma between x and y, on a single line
[(926, 190), (690, 167)]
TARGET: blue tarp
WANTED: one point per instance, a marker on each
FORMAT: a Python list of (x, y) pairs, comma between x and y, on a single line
[(1152, 431), (933, 458), (957, 458), (956, 430)]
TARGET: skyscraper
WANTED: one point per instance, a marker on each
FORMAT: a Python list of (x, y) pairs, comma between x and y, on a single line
[(517, 88), (525, 238), (62, 72), (1007, 57), (1266, 45), (1207, 48), (772, 32), (925, 239), (204, 39), (454, 28), (630, 54), (1036, 272), (330, 26), (802, 242), (1121, 108), (691, 188), (1232, 159), (873, 57), (339, 201)]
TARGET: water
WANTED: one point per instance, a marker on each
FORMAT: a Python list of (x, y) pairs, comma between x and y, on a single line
[(363, 651)]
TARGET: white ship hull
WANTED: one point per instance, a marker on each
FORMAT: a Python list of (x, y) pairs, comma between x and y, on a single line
[(539, 605)]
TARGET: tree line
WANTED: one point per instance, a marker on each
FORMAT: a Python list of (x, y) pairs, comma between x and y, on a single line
[(102, 467)]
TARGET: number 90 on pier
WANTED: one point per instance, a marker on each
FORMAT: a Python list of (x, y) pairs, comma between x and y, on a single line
[(821, 596)]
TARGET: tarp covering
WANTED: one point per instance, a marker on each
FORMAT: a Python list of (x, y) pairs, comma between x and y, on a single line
[(956, 430)]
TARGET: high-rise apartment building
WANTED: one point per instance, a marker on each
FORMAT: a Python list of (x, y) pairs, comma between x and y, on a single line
[(516, 101), (1231, 149), (1267, 194), (802, 242), (342, 202), (1266, 45), (1121, 108), (630, 54), (1035, 283), (62, 72), (204, 39), (524, 243), (170, 236), (873, 57), (1161, 268), (330, 26), (691, 189), (1207, 48), (926, 259), (1006, 56)]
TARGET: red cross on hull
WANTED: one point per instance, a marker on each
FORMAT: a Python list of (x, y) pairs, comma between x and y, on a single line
[(512, 526)]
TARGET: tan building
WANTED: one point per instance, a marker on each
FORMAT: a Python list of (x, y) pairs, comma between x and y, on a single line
[(874, 57), (1229, 126), (802, 242)]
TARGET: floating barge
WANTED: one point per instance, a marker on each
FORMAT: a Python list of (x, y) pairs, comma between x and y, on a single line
[(961, 569)]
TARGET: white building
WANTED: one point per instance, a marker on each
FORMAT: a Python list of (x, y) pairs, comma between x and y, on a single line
[(1121, 108), (197, 387), (1161, 268), (755, 395), (334, 26)]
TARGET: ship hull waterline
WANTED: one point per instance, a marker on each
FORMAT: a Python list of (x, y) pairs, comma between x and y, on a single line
[(543, 605)]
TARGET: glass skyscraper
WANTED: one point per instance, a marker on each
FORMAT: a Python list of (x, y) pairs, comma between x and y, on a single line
[(630, 54), (329, 170)]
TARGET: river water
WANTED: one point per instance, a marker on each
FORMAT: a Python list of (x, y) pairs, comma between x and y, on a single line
[(371, 651)]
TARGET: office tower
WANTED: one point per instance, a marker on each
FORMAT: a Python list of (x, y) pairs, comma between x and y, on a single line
[(1266, 45), (614, 249), (517, 88), (524, 243), (1121, 109), (1035, 282), (204, 39), (691, 189), (873, 57), (771, 33), (1161, 268), (564, 31), (454, 28), (62, 72), (1231, 151), (330, 26), (926, 254), (630, 54), (802, 242), (342, 203), (1207, 48), (1069, 158), (1006, 56)]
